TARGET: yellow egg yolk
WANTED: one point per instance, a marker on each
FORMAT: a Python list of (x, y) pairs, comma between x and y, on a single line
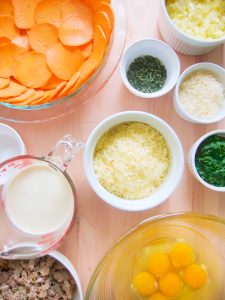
[(182, 255), (159, 264), (195, 276), (145, 284), (170, 285), (158, 296)]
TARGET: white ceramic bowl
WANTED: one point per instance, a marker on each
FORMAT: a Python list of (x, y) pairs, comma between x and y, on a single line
[(191, 161), (68, 265), (172, 180), (155, 48), (219, 72), (179, 40), (11, 143)]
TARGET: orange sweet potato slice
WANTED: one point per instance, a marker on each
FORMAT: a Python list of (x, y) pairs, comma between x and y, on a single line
[(52, 83), (21, 41), (86, 50), (31, 69), (48, 11), (86, 70), (7, 28), (64, 61), (70, 84), (26, 95), (24, 13), (100, 42), (42, 37), (37, 95), (6, 60), (77, 8), (4, 82), (14, 89), (75, 31), (50, 95), (102, 19), (6, 8), (107, 8), (94, 3)]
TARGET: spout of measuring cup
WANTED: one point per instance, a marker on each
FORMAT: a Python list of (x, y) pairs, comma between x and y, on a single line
[(64, 151)]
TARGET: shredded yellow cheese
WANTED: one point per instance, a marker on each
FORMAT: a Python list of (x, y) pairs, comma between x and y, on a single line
[(202, 95), (132, 160), (204, 19)]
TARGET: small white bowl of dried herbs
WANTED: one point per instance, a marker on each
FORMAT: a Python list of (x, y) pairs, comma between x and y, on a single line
[(149, 68)]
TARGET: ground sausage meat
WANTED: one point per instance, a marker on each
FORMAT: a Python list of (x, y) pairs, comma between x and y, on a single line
[(42, 278)]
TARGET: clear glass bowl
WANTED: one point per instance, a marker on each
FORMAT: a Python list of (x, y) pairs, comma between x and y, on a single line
[(48, 111), (113, 277)]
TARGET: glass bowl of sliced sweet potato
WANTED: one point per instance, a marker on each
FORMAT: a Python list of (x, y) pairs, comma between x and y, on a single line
[(51, 49)]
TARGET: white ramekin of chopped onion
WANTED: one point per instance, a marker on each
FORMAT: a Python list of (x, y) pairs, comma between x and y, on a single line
[(199, 96), (133, 160), (192, 27)]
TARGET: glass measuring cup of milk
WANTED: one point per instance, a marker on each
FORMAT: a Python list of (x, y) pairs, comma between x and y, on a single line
[(37, 201)]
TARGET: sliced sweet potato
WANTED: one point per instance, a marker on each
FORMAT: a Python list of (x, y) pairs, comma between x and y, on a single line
[(48, 11), (86, 70), (23, 97), (94, 3), (70, 84), (52, 83), (37, 95), (77, 8), (31, 69), (64, 61), (102, 19), (100, 42), (86, 50), (21, 41), (24, 13), (42, 37), (7, 28), (107, 8), (50, 95), (4, 40), (4, 82), (6, 60), (6, 8), (14, 89), (75, 31)]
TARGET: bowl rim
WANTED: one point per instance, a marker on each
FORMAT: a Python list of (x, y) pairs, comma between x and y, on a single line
[(191, 69), (166, 88), (16, 136), (117, 202), (190, 38), (193, 152)]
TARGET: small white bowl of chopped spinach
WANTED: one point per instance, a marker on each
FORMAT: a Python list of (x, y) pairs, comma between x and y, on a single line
[(149, 68), (207, 160)]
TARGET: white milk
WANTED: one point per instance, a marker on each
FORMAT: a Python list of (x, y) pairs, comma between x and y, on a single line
[(39, 200)]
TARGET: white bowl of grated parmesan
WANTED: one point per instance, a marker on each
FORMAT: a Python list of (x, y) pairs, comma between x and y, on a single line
[(133, 160), (199, 96)]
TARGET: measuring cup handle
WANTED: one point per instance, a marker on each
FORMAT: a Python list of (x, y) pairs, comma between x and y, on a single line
[(64, 151)]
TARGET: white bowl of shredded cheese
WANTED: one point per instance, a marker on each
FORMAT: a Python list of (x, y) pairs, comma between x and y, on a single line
[(199, 96), (145, 166), (192, 27)]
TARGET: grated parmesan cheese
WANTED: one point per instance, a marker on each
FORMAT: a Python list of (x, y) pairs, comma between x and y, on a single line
[(202, 95), (131, 160)]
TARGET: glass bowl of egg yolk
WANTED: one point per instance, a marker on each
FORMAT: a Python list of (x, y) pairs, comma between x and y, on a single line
[(174, 256)]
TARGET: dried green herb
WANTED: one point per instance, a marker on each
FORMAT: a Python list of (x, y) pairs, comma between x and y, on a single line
[(147, 74), (210, 160)]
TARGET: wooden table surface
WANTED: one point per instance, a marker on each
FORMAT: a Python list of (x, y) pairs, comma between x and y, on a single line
[(97, 224)]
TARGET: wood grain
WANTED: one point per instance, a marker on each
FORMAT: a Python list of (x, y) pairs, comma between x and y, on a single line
[(97, 224)]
